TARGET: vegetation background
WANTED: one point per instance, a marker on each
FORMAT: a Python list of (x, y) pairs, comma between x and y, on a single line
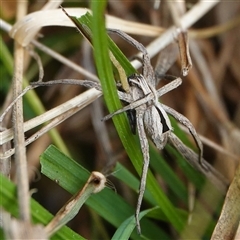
[(208, 97)]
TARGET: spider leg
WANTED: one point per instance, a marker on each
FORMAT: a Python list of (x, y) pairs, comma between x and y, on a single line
[(85, 83), (91, 84), (182, 119), (169, 87), (146, 159), (148, 72), (129, 107)]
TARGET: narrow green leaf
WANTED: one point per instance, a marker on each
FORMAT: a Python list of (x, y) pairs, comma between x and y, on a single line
[(6, 57), (71, 176), (126, 228), (8, 193), (84, 25), (110, 95), (129, 179)]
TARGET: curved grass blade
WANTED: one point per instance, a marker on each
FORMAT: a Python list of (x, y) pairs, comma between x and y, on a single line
[(39, 214), (95, 183), (71, 176), (126, 228)]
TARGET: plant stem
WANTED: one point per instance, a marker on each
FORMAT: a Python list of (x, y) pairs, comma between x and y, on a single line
[(19, 138)]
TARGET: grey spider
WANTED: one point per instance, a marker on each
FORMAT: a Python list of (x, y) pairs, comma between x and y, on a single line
[(150, 115)]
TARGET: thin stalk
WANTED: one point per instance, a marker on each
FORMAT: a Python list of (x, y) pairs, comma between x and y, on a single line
[(19, 138)]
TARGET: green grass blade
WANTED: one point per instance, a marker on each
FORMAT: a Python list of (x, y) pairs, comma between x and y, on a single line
[(126, 228), (84, 24), (71, 176), (130, 180), (6, 57), (110, 95), (39, 214)]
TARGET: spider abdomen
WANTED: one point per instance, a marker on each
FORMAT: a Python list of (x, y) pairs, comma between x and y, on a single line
[(157, 126)]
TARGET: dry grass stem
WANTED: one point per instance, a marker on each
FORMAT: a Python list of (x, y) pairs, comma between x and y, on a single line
[(78, 102), (19, 137), (206, 75), (228, 222), (215, 30), (56, 17)]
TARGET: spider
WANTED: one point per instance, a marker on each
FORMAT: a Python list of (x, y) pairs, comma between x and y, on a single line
[(149, 115), (145, 112)]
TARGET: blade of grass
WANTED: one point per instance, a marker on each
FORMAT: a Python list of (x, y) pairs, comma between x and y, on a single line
[(71, 176), (130, 180), (126, 228), (84, 25), (38, 213), (6, 57), (162, 167)]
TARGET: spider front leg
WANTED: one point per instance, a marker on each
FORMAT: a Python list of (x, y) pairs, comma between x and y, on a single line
[(148, 72), (145, 151), (130, 106)]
